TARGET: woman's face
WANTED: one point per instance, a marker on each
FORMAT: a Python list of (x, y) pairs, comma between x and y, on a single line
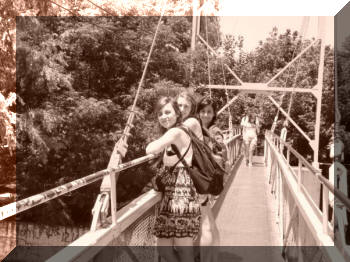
[(218, 138), (184, 106), (167, 116), (206, 115)]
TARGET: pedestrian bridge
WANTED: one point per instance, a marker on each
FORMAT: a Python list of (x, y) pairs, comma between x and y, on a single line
[(268, 212)]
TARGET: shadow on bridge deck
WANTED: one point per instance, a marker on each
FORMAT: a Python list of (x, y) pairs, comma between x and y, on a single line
[(247, 217)]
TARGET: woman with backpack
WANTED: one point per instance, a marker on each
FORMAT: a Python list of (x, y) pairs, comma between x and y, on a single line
[(209, 233), (206, 111), (178, 220)]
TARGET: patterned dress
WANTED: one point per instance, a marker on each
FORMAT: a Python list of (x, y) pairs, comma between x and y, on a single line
[(179, 212)]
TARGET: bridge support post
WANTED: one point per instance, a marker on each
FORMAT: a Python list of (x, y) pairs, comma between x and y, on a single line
[(108, 192), (322, 33), (325, 203), (299, 239), (299, 174), (195, 17), (265, 153)]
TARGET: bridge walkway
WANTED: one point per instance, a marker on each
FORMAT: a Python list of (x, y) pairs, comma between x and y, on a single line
[(246, 216)]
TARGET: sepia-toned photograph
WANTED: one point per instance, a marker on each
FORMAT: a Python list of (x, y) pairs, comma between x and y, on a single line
[(170, 131)]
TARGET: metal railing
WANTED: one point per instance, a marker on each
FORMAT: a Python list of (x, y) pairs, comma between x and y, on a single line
[(297, 191), (30, 202), (129, 218), (233, 144), (137, 216)]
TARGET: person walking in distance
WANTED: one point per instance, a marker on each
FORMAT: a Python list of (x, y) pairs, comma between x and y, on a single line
[(250, 130)]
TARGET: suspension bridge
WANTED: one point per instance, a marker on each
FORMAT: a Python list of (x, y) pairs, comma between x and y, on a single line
[(273, 204)]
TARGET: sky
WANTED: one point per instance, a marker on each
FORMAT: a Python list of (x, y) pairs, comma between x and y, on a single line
[(256, 28), (281, 7), (254, 19)]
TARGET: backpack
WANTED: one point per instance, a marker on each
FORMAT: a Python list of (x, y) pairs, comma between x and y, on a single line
[(207, 175)]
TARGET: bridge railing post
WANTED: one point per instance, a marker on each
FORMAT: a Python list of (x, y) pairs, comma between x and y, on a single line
[(325, 203), (113, 180), (229, 154), (299, 238), (300, 166), (265, 152), (234, 148), (280, 200)]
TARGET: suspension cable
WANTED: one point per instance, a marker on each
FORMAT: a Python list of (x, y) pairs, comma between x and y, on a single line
[(132, 113), (100, 7), (76, 14), (208, 59), (62, 7)]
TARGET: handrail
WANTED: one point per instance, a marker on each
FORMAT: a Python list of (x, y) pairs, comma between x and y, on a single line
[(92, 242), (27, 203), (35, 200), (337, 193), (289, 147), (319, 227), (230, 140), (340, 195)]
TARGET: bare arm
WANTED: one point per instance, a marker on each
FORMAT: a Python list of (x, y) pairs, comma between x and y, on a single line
[(194, 125), (172, 136)]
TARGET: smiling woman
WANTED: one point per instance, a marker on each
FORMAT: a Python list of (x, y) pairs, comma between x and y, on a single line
[(167, 116), (167, 110), (178, 220)]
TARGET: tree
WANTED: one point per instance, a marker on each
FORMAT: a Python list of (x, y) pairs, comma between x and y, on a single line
[(270, 57), (76, 79)]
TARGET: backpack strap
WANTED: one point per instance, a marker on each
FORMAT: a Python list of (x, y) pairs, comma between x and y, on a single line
[(188, 131), (181, 158), (185, 129)]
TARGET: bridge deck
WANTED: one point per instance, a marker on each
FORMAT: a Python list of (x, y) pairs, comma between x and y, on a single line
[(247, 216)]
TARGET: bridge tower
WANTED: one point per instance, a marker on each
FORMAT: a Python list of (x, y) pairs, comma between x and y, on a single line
[(264, 88)]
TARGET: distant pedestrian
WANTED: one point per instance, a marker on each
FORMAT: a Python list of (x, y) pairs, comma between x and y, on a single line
[(250, 130)]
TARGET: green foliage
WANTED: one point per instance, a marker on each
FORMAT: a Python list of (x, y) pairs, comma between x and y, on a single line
[(77, 78), (263, 63)]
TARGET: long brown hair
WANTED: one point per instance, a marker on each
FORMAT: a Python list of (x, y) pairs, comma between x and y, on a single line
[(188, 97), (207, 101), (164, 100)]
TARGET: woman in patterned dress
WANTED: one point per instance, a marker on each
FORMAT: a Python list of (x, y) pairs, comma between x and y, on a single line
[(178, 220)]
